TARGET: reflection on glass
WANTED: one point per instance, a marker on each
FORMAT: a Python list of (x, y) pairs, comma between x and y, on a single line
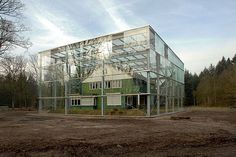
[(133, 72)]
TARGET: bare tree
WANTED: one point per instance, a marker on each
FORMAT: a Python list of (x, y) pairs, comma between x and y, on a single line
[(33, 66), (11, 27), (12, 67)]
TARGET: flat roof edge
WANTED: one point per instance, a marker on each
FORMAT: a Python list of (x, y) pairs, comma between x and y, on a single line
[(100, 36)]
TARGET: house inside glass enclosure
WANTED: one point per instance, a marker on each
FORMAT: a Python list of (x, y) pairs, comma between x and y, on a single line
[(127, 73)]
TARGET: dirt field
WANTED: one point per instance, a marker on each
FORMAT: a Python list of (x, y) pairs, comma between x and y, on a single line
[(208, 132)]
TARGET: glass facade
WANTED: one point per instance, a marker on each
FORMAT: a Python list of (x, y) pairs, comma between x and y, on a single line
[(128, 73)]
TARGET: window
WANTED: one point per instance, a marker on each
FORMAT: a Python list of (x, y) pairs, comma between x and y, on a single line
[(107, 84), (113, 99), (99, 85), (116, 84), (95, 85), (75, 101)]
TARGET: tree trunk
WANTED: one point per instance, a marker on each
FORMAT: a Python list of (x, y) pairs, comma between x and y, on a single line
[(12, 103)]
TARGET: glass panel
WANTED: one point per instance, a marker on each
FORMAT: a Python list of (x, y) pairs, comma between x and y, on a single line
[(112, 69), (159, 45)]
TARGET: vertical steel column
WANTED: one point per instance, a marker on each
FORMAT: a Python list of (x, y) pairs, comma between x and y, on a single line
[(166, 85), (55, 95), (178, 96), (148, 95), (166, 95), (148, 76), (40, 83), (182, 96), (66, 83), (102, 89), (158, 94), (66, 98), (173, 96), (158, 82)]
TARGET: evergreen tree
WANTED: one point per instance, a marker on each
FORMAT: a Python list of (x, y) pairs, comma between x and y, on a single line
[(191, 82), (233, 61), (217, 86), (221, 66)]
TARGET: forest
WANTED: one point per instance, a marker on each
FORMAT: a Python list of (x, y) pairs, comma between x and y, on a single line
[(214, 86), (18, 85)]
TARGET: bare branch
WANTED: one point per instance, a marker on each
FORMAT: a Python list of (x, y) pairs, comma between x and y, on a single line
[(33, 65), (11, 8), (10, 27), (13, 65)]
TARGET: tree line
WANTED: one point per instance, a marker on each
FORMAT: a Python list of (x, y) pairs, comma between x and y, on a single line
[(18, 85), (214, 86)]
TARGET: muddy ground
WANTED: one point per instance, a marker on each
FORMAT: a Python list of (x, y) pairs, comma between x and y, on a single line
[(208, 132)]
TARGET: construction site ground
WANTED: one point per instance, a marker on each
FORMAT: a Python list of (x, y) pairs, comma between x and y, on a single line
[(205, 132)]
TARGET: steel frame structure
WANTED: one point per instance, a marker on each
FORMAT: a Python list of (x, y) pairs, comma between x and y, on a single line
[(139, 52)]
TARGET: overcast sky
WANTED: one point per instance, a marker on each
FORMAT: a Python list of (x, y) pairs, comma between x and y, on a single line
[(199, 31)]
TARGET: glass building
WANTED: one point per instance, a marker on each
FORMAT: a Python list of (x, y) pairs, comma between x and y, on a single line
[(127, 73)]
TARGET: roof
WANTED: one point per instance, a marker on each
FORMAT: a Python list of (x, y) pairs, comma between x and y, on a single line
[(112, 73)]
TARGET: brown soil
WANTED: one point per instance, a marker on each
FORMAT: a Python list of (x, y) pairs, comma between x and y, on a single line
[(208, 132)]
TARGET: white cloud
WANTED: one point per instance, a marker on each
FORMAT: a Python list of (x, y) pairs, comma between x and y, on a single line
[(114, 14), (50, 28), (53, 35)]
